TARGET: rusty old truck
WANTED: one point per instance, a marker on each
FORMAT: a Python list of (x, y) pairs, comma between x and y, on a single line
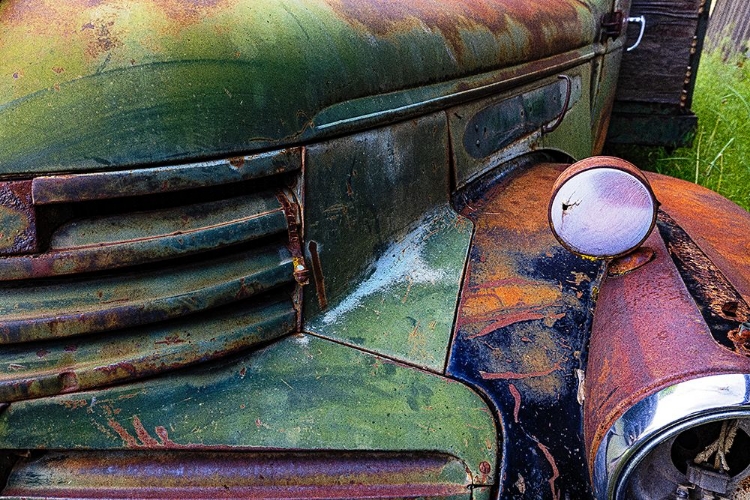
[(337, 249)]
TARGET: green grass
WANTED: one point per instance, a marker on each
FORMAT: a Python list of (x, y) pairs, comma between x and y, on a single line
[(720, 154)]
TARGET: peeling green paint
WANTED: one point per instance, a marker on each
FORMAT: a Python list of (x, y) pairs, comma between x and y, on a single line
[(405, 308), (302, 393), (94, 85)]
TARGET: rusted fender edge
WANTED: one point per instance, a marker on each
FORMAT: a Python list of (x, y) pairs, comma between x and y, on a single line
[(718, 226), (521, 334), (665, 322)]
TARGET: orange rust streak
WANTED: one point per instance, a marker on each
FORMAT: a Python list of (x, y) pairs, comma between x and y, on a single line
[(129, 439), (517, 401), (164, 437), (507, 320), (555, 472), (492, 284), (519, 376), (143, 434)]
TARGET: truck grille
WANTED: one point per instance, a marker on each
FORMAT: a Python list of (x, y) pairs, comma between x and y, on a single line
[(130, 283)]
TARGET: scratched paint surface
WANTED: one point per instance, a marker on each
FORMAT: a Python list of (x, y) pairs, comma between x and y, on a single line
[(112, 82), (227, 475), (302, 393), (522, 325), (405, 307), (365, 195)]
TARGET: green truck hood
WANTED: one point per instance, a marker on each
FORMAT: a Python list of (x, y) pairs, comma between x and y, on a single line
[(97, 84)]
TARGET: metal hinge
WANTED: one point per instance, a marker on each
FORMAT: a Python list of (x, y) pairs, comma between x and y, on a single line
[(612, 25), (292, 213)]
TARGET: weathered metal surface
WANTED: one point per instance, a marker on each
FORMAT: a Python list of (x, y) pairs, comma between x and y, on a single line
[(301, 393), (630, 262), (604, 82), (269, 475), (718, 226), (139, 83), (17, 218), (405, 308), (571, 137), (375, 110), (110, 242), (145, 181), (31, 311), (502, 122), (390, 252), (648, 334), (521, 333), (489, 132), (722, 307), (37, 370)]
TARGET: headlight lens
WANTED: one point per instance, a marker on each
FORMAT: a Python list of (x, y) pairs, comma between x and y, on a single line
[(602, 207)]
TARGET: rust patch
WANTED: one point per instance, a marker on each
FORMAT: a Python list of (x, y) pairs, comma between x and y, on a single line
[(516, 401), (171, 340), (520, 376), (129, 440), (741, 339), (143, 434), (72, 404), (17, 218), (237, 162), (103, 39), (192, 11), (317, 269), (630, 262), (555, 471), (715, 224), (453, 18)]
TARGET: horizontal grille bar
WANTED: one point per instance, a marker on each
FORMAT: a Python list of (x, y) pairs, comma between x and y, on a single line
[(144, 181), (197, 475), (36, 370), (32, 311), (136, 238)]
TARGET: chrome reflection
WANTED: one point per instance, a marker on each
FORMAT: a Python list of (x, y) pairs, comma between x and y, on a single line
[(652, 425)]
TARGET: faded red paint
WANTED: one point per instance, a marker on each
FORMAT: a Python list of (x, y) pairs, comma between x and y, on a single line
[(648, 334)]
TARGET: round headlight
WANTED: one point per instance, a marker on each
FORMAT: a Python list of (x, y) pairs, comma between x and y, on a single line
[(602, 207), (689, 441)]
